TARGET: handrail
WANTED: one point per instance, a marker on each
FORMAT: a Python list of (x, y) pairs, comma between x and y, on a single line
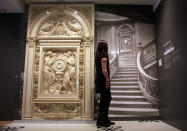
[(145, 75), (113, 65), (113, 59), (148, 84)]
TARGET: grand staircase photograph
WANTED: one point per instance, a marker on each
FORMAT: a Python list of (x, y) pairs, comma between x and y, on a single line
[(128, 101), (127, 98)]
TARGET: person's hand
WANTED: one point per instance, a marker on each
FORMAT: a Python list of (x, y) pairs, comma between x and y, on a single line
[(107, 84)]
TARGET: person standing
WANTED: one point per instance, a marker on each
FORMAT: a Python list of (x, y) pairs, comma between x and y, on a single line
[(102, 83)]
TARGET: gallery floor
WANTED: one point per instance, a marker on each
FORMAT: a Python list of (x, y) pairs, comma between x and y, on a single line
[(35, 125)]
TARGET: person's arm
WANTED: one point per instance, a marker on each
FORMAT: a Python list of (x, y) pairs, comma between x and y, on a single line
[(104, 70)]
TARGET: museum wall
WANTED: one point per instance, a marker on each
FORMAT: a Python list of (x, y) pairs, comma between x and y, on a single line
[(170, 20), (12, 64)]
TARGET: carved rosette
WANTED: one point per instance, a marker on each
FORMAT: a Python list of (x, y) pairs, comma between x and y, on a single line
[(62, 111)]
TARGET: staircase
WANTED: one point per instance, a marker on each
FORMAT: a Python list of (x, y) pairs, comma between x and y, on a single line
[(127, 98)]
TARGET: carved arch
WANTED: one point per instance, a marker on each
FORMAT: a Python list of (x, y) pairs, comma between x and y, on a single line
[(62, 10), (125, 39)]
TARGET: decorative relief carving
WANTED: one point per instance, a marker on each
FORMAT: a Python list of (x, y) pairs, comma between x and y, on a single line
[(81, 68), (85, 11), (149, 51), (59, 66), (59, 72), (36, 11), (126, 39), (36, 68), (57, 110), (60, 25)]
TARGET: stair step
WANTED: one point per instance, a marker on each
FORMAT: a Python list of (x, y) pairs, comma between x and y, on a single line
[(126, 73), (127, 69), (126, 62), (125, 88), (125, 80), (124, 76), (128, 98), (131, 104), (116, 117), (133, 111), (126, 93), (123, 83)]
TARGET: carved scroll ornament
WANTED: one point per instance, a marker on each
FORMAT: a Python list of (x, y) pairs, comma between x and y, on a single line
[(60, 25)]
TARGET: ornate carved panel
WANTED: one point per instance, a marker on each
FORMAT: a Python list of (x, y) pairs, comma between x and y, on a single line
[(58, 70), (61, 25), (57, 111), (126, 39), (55, 85)]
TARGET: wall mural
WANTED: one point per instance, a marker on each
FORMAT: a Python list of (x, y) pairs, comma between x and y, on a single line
[(131, 48)]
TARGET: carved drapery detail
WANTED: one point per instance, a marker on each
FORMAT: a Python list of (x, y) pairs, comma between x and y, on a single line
[(57, 111)]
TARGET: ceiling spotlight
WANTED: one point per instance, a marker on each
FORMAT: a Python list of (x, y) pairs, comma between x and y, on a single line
[(47, 12)]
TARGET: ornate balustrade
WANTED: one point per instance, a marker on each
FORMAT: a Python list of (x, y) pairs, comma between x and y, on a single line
[(113, 65), (148, 84)]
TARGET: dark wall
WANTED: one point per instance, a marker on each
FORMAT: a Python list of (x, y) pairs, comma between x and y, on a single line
[(11, 52), (140, 13), (171, 24)]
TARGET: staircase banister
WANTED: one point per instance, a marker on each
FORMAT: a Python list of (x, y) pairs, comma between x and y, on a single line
[(141, 70), (113, 59)]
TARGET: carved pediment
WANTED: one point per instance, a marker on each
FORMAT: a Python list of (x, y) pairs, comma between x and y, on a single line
[(60, 25)]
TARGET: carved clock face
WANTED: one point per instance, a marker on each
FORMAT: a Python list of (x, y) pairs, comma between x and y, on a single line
[(59, 66)]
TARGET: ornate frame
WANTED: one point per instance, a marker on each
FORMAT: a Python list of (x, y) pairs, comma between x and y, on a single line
[(45, 106)]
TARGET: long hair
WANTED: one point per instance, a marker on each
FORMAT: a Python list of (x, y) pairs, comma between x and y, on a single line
[(102, 49)]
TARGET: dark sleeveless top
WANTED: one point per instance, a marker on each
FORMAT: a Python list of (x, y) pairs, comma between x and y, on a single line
[(100, 81)]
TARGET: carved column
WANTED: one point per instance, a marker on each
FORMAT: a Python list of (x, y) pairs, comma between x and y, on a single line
[(28, 78)]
